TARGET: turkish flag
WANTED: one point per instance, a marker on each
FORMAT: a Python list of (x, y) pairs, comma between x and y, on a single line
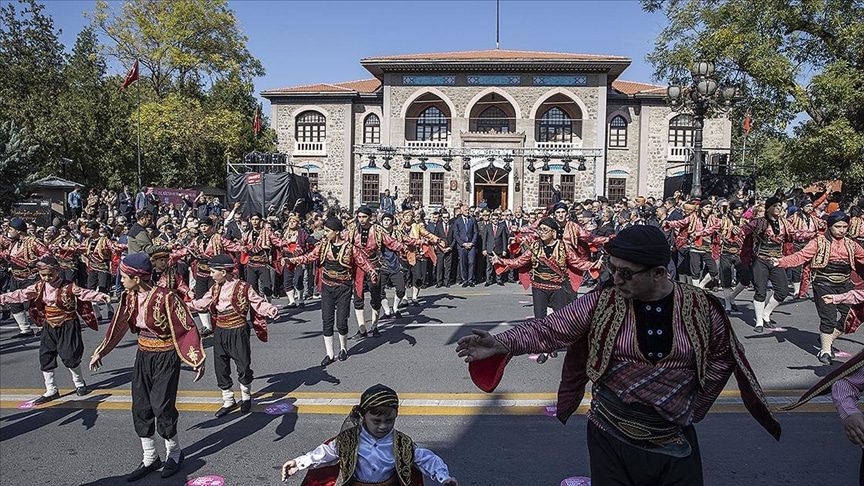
[(747, 123), (256, 122), (131, 76)]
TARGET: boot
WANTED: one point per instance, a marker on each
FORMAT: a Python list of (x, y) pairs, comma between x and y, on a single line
[(343, 344), (173, 457), (759, 309), (150, 463), (292, 301), (23, 324), (51, 392), (300, 302), (396, 311), (415, 293)]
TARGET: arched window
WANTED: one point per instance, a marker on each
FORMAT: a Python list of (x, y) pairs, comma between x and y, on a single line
[(493, 119), (372, 129), (311, 127), (681, 131), (555, 126), (618, 132), (432, 124)]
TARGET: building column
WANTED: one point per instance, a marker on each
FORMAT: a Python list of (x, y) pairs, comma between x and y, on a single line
[(600, 139)]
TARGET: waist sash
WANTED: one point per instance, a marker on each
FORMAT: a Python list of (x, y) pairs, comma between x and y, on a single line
[(637, 425), (230, 319), (155, 344), (392, 481)]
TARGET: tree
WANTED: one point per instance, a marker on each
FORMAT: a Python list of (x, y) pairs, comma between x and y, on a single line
[(179, 42), (18, 163), (787, 58)]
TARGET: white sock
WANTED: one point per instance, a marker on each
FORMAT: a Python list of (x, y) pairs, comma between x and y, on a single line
[(396, 303), (228, 398), (245, 393), (549, 311), (702, 283), (796, 288), (172, 448), (50, 385), (205, 321), (291, 299), (694, 281), (769, 307), (343, 342), (759, 309), (77, 379), (738, 289), (415, 292), (375, 315), (361, 320), (21, 320), (727, 300), (299, 296), (386, 306), (149, 447), (328, 346)]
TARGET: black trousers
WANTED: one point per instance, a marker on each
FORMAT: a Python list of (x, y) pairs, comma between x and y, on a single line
[(64, 341), (828, 320), (762, 273), (335, 304), (397, 280), (154, 393), (202, 285), (311, 272), (259, 278), (417, 273), (442, 267), (615, 463), (543, 299), (697, 258), (231, 344), (794, 274), (742, 272), (99, 280), (374, 294), (16, 284), (292, 279)]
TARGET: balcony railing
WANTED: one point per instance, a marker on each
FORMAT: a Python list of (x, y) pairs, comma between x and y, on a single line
[(310, 148), (679, 154), (428, 143), (559, 145)]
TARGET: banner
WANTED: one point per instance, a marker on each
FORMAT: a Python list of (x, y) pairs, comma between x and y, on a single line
[(268, 193), (169, 195), (37, 211)]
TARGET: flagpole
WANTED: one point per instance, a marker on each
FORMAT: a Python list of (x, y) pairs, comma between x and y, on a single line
[(139, 135), (497, 23)]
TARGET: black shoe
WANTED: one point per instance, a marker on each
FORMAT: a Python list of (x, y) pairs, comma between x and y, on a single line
[(824, 358), (82, 390), (25, 334), (438, 286), (470, 284), (397, 314), (301, 304), (223, 411), (205, 333), (245, 406), (343, 355), (143, 470), (759, 329), (327, 361), (360, 334), (43, 399), (376, 332), (501, 283), (291, 305), (772, 324), (171, 467), (542, 358), (487, 284), (464, 284), (447, 285)]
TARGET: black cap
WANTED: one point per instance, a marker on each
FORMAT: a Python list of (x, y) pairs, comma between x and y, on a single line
[(334, 224), (364, 210)]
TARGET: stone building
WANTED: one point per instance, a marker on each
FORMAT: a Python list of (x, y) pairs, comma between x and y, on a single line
[(500, 125)]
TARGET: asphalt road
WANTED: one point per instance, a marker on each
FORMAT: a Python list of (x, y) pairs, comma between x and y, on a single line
[(505, 438)]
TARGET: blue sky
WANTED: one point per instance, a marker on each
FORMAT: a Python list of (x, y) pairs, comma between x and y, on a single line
[(301, 42)]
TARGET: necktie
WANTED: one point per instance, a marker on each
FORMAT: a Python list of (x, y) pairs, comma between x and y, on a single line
[(445, 229), (494, 230)]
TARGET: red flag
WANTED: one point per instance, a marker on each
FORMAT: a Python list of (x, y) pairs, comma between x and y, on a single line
[(747, 123), (256, 122), (131, 76)]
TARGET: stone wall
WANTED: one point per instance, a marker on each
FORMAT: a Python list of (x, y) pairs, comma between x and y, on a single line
[(624, 159)]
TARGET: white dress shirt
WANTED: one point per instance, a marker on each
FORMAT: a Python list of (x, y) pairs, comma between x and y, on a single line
[(375, 461)]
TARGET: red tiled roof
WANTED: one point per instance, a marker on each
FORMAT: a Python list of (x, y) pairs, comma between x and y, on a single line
[(359, 86), (496, 54), (633, 87)]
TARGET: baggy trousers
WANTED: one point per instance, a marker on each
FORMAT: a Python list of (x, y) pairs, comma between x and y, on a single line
[(64, 341), (154, 393), (232, 344)]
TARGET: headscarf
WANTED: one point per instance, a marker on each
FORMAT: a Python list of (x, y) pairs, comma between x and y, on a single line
[(137, 265), (375, 396)]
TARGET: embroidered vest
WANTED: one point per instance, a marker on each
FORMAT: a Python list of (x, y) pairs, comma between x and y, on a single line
[(823, 252), (344, 261), (236, 315), (541, 270), (348, 444), (66, 308), (611, 310)]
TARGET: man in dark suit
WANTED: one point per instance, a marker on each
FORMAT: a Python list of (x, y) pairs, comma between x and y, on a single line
[(482, 222), (494, 243), (441, 227), (466, 239)]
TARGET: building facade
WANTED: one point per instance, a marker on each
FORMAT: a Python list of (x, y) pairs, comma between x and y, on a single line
[(500, 126)]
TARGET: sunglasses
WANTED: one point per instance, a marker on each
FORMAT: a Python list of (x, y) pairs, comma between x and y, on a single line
[(625, 273)]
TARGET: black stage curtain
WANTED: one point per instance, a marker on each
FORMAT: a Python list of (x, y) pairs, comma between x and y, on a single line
[(268, 193)]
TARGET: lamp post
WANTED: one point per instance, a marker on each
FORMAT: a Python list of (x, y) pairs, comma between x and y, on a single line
[(702, 97)]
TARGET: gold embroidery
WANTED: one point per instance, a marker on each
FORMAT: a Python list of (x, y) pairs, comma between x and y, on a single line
[(348, 444), (403, 453), (192, 354)]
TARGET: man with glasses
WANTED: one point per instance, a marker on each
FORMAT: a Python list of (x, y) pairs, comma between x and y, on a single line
[(658, 353)]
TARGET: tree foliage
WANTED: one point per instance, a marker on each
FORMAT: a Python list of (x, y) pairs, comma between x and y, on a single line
[(788, 57), (17, 162)]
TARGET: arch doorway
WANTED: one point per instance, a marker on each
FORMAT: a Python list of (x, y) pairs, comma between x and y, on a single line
[(491, 184)]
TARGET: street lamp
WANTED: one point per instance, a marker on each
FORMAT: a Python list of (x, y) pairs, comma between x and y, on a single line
[(704, 95)]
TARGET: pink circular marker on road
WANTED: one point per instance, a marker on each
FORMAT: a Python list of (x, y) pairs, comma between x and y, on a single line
[(279, 408), (206, 481), (842, 354), (25, 405), (777, 329), (577, 481), (550, 412)]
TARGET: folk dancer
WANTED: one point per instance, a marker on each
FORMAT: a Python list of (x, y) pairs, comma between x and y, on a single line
[(22, 252), (371, 238), (369, 451), (258, 244), (339, 261), (828, 261), (702, 230), (549, 268), (55, 305), (230, 300), (416, 239), (295, 241), (442, 227), (97, 253), (766, 238), (805, 220), (167, 336), (168, 276), (731, 239), (206, 245), (390, 272), (65, 249), (658, 353)]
